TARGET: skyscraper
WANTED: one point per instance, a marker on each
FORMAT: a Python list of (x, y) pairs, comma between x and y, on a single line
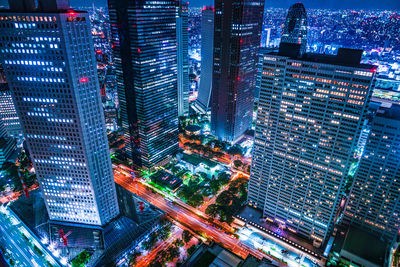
[(7, 110), (310, 116), (295, 29), (145, 55), (237, 34), (207, 50), (47, 54), (265, 37), (7, 145), (183, 57), (374, 198)]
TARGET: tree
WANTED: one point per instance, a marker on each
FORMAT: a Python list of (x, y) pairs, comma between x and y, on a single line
[(81, 259), (151, 241), (195, 200), (224, 199), (133, 258), (165, 232), (212, 210), (237, 163), (248, 168), (172, 253), (214, 186), (236, 151), (178, 243), (229, 219), (191, 250), (186, 235), (224, 178)]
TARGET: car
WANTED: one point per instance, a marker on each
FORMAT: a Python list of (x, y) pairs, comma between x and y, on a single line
[(284, 251)]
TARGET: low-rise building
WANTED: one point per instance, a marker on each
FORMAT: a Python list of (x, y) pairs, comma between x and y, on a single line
[(196, 164)]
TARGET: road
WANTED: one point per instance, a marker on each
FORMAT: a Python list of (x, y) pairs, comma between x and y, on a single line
[(160, 246), (15, 195), (19, 248), (191, 220)]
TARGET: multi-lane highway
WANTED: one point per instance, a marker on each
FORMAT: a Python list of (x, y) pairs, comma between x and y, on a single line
[(197, 220), (18, 247), (162, 245), (188, 218)]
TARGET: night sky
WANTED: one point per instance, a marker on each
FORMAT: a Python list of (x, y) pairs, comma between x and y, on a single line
[(334, 4)]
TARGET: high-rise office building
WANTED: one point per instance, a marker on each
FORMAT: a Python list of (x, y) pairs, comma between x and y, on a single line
[(47, 54), (182, 36), (7, 145), (265, 37), (295, 29), (207, 51), (237, 34), (145, 56), (7, 110), (374, 198), (310, 116)]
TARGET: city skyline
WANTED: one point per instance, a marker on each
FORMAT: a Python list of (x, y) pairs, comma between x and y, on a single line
[(331, 4), (342, 4), (146, 133)]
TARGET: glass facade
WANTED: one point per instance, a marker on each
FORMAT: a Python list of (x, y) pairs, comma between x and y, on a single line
[(237, 35), (7, 145), (145, 55), (295, 29), (374, 198), (309, 120), (183, 57), (50, 67), (207, 49), (7, 110)]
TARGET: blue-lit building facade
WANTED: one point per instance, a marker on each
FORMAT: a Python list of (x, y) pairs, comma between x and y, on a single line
[(7, 145), (7, 110), (373, 202), (237, 34), (207, 50), (145, 56), (47, 55), (310, 118), (182, 35)]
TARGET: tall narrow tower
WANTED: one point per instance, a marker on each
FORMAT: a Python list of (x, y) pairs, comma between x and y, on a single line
[(7, 110), (47, 54), (145, 54), (237, 36), (295, 29), (207, 50), (183, 57)]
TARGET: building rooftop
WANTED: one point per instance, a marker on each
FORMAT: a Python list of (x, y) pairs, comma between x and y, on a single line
[(196, 160), (392, 112), (166, 179), (345, 56), (39, 6), (118, 235), (365, 245), (193, 128)]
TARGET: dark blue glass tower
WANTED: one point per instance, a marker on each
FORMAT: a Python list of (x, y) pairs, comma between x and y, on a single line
[(207, 45), (182, 36), (237, 33), (295, 30), (145, 53)]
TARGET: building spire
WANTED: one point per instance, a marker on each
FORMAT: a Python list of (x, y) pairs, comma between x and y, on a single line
[(295, 29)]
